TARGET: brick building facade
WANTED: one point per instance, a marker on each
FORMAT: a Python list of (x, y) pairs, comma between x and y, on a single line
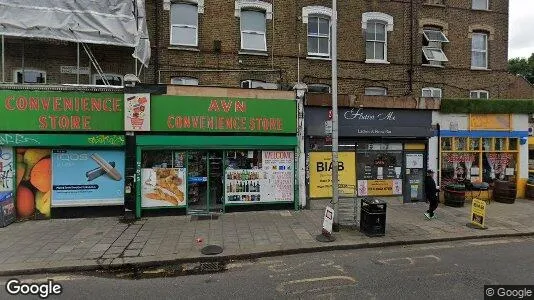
[(392, 63), (218, 59)]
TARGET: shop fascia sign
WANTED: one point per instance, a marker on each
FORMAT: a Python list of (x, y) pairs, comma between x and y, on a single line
[(361, 115), (221, 114), (60, 111)]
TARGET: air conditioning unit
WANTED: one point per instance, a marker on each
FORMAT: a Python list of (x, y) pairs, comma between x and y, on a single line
[(253, 84)]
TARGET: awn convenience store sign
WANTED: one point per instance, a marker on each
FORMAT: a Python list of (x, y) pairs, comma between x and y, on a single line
[(214, 114), (60, 111)]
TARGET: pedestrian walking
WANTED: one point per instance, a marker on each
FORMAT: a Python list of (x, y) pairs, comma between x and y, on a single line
[(431, 192)]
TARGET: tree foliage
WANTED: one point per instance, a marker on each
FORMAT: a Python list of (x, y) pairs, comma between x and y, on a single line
[(522, 66)]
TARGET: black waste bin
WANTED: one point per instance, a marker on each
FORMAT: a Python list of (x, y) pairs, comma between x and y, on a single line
[(454, 195), (373, 217)]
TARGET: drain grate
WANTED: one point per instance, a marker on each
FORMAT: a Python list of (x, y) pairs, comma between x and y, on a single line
[(212, 266)]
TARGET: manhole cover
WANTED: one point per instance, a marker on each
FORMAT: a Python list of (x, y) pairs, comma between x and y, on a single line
[(211, 250)]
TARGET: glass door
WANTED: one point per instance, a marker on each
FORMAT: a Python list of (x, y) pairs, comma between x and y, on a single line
[(205, 181), (197, 181), (415, 177)]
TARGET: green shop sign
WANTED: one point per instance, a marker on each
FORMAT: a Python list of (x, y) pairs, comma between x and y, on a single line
[(60, 111), (214, 114), (46, 140)]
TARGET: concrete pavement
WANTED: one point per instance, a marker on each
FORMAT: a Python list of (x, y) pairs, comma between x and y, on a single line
[(96, 243)]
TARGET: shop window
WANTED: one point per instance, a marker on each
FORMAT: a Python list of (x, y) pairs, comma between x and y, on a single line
[(446, 144), (259, 176), (30, 76), (498, 166), (474, 144), (112, 79), (459, 167), (487, 144), (512, 144), (461, 144), (379, 169), (500, 144)]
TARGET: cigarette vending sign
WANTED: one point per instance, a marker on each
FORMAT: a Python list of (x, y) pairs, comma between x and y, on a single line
[(60, 111)]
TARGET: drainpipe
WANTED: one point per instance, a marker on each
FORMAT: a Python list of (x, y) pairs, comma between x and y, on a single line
[(411, 71), (156, 56)]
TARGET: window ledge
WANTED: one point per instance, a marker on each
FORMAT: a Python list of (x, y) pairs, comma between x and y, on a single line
[(478, 9), (253, 52), (184, 48), (479, 69), (434, 5), (376, 61), (318, 58), (433, 66)]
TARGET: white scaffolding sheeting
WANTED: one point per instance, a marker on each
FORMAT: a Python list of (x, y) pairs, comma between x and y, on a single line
[(109, 22)]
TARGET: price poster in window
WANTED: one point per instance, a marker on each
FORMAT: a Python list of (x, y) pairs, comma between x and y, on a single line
[(279, 167)]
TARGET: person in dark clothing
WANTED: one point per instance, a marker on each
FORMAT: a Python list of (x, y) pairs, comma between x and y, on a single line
[(431, 192)]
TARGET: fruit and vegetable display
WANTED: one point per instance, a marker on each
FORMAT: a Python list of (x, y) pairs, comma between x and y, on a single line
[(34, 175)]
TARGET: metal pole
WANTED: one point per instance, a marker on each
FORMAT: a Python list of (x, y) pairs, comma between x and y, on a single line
[(78, 63), (335, 190), (3, 60)]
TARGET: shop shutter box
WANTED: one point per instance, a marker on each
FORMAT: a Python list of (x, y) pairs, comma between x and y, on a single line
[(7, 209)]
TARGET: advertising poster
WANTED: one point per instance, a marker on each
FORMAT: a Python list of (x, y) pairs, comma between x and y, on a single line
[(273, 183), (163, 187), (414, 160), (320, 170), (279, 166), (137, 112), (7, 172), (87, 177), (387, 187), (34, 182), (245, 185), (478, 213)]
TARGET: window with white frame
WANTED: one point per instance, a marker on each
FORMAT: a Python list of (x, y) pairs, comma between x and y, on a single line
[(257, 84), (375, 40), (479, 94), (430, 92), (184, 24), (433, 39), (479, 50), (184, 81), (112, 79), (319, 35), (376, 91), (481, 4), (376, 26), (30, 76), (319, 88), (253, 30)]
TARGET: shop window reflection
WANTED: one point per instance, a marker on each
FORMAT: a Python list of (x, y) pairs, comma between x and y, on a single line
[(461, 144), (474, 144), (446, 144), (500, 144), (512, 144), (243, 159), (486, 144)]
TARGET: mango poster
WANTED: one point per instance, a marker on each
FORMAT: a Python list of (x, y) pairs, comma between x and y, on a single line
[(320, 170), (33, 179)]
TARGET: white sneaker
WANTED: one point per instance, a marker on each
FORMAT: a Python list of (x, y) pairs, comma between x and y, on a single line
[(427, 215)]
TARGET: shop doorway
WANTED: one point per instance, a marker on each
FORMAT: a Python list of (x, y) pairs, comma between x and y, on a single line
[(415, 176), (205, 182)]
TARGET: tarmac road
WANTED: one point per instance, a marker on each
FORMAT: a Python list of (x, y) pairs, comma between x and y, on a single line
[(452, 270)]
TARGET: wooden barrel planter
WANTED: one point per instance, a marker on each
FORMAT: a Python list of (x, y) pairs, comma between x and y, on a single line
[(454, 195), (504, 191), (529, 191)]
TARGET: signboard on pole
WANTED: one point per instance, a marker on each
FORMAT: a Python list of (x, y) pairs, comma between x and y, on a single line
[(478, 213), (328, 221)]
